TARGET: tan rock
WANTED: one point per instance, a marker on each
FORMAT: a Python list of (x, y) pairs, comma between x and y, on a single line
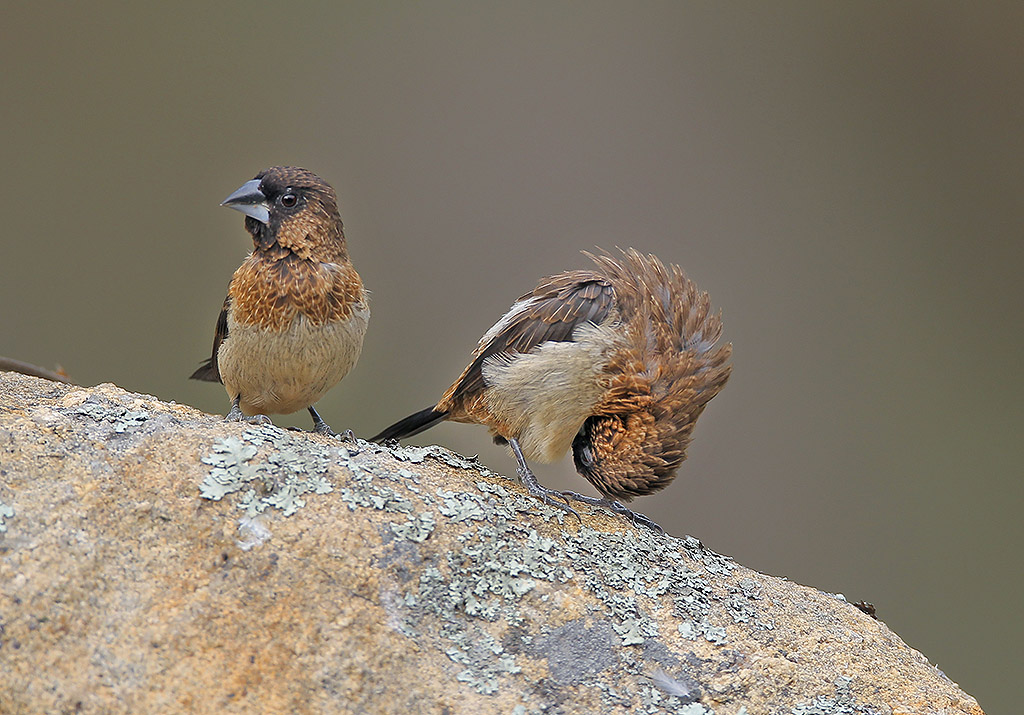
[(327, 577)]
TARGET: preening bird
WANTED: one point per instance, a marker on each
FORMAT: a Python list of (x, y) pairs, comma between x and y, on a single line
[(615, 363), (293, 321)]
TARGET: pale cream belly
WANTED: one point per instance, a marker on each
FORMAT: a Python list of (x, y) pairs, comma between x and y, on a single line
[(545, 396), (286, 371)]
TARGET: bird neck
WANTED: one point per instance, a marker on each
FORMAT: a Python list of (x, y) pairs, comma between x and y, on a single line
[(307, 241)]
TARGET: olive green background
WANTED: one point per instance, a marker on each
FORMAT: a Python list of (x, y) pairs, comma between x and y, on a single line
[(845, 179)]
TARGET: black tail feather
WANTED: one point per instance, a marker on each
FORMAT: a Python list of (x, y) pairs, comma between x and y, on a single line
[(411, 425), (208, 371)]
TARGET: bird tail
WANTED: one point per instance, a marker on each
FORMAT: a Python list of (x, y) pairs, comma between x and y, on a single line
[(208, 372), (412, 425)]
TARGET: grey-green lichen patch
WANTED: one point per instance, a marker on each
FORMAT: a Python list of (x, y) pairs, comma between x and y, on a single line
[(230, 468), (118, 416), (270, 467), (636, 631), (416, 455), (368, 488), (742, 605), (478, 591), (417, 528), (6, 512), (485, 660), (842, 703), (692, 630), (457, 507), (750, 588), (508, 505), (740, 609)]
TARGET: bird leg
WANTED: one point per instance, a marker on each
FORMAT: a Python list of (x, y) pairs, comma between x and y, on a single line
[(615, 507), (529, 481), (235, 415), (321, 427)]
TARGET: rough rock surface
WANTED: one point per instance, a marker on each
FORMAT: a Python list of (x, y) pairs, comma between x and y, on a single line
[(156, 559)]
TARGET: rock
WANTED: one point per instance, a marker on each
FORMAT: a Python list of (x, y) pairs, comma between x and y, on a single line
[(156, 559)]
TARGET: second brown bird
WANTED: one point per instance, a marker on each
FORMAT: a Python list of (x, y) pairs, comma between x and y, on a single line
[(615, 363)]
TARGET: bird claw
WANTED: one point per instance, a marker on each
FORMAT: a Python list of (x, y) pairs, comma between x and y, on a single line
[(616, 507), (548, 496), (639, 519), (324, 429), (635, 517), (321, 427), (236, 415)]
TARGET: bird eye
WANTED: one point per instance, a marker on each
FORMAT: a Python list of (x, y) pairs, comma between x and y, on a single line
[(289, 200)]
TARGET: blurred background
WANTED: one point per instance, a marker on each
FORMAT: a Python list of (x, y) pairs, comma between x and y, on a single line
[(846, 181)]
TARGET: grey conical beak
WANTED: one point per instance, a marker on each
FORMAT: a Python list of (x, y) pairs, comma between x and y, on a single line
[(249, 200)]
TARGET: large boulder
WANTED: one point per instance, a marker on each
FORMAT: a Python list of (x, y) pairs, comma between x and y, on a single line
[(154, 558)]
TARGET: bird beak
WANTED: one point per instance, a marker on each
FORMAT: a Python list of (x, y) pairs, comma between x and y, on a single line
[(249, 200)]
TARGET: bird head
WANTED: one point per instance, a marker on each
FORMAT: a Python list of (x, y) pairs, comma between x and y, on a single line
[(629, 454), (659, 383), (291, 208)]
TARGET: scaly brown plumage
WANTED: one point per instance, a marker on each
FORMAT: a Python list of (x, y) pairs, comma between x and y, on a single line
[(293, 321), (615, 364)]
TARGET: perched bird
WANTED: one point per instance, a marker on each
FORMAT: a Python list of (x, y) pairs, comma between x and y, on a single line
[(293, 322), (615, 363)]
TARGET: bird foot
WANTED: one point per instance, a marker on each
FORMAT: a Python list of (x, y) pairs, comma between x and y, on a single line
[(529, 481), (236, 415), (324, 429), (552, 497), (615, 507), (321, 427)]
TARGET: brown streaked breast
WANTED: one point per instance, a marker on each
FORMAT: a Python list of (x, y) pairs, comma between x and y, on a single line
[(270, 293)]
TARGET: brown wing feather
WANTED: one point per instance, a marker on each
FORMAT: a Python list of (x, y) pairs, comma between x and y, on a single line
[(551, 312), (209, 370)]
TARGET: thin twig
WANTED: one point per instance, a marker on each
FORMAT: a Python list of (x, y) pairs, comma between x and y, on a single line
[(12, 365)]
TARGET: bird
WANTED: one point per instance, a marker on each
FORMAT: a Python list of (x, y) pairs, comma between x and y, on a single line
[(615, 364), (293, 322)]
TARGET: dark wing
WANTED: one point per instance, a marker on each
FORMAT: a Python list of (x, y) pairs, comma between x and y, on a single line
[(551, 312), (209, 370)]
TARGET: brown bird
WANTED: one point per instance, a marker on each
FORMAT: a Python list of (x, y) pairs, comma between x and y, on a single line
[(293, 322), (615, 363)]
